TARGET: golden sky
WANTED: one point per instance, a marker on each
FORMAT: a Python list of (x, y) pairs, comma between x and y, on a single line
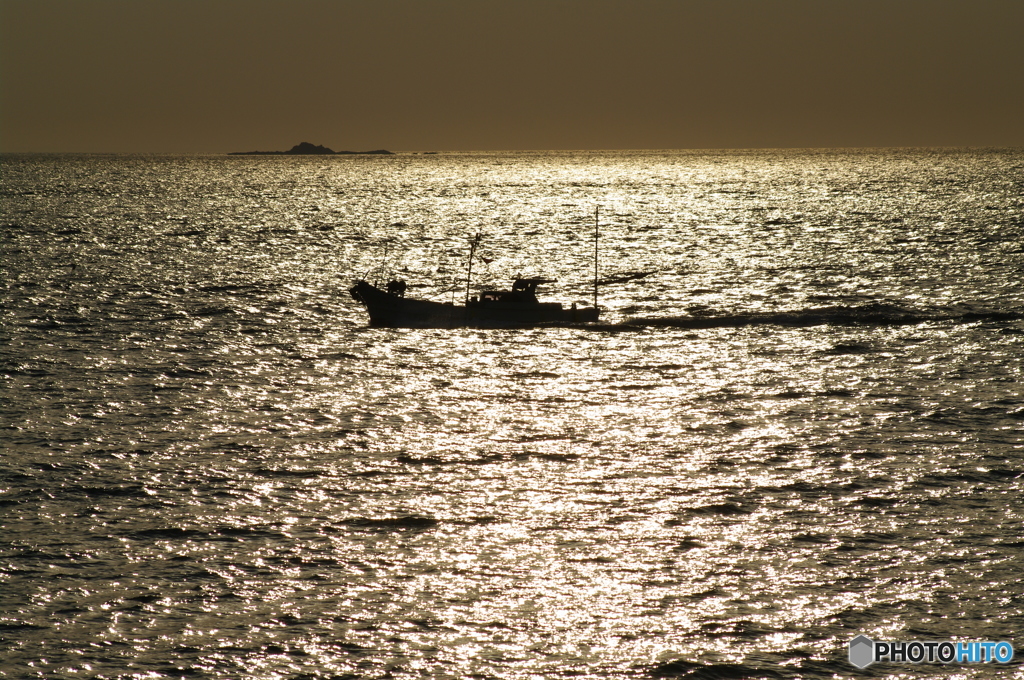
[(237, 75)]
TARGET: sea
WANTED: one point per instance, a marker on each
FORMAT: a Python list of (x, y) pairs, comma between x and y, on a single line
[(800, 419)]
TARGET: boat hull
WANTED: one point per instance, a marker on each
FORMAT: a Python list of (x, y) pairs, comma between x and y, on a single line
[(387, 310)]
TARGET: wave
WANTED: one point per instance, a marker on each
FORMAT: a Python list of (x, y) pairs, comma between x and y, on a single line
[(768, 666), (411, 522), (714, 671), (870, 314)]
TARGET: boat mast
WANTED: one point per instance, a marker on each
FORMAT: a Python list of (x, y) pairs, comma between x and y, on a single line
[(469, 266), (597, 210)]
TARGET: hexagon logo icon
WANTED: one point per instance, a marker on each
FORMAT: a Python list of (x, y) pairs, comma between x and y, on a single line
[(862, 651)]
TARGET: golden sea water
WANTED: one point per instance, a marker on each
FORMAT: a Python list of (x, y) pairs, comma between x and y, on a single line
[(801, 418)]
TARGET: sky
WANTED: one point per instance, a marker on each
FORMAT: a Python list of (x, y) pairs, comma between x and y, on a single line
[(213, 76)]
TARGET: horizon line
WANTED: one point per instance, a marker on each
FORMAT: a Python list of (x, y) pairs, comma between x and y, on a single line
[(431, 151)]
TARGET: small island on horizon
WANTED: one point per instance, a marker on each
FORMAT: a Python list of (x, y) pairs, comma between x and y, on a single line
[(307, 149)]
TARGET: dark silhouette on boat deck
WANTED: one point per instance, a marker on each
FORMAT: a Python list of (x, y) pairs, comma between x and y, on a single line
[(397, 288)]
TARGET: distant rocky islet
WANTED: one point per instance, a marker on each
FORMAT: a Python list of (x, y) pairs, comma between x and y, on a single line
[(307, 149)]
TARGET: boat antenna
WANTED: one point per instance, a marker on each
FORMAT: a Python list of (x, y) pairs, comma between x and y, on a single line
[(469, 266), (597, 210), (379, 269)]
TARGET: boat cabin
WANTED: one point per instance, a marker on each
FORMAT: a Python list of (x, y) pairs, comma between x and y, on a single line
[(524, 292)]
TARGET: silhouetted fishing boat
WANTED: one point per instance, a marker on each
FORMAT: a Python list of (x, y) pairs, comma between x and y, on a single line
[(491, 309), (518, 307)]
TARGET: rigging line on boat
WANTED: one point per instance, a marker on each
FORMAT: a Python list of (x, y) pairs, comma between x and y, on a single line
[(597, 210), (469, 266)]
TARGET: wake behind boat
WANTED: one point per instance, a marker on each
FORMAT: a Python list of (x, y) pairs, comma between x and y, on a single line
[(518, 307)]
